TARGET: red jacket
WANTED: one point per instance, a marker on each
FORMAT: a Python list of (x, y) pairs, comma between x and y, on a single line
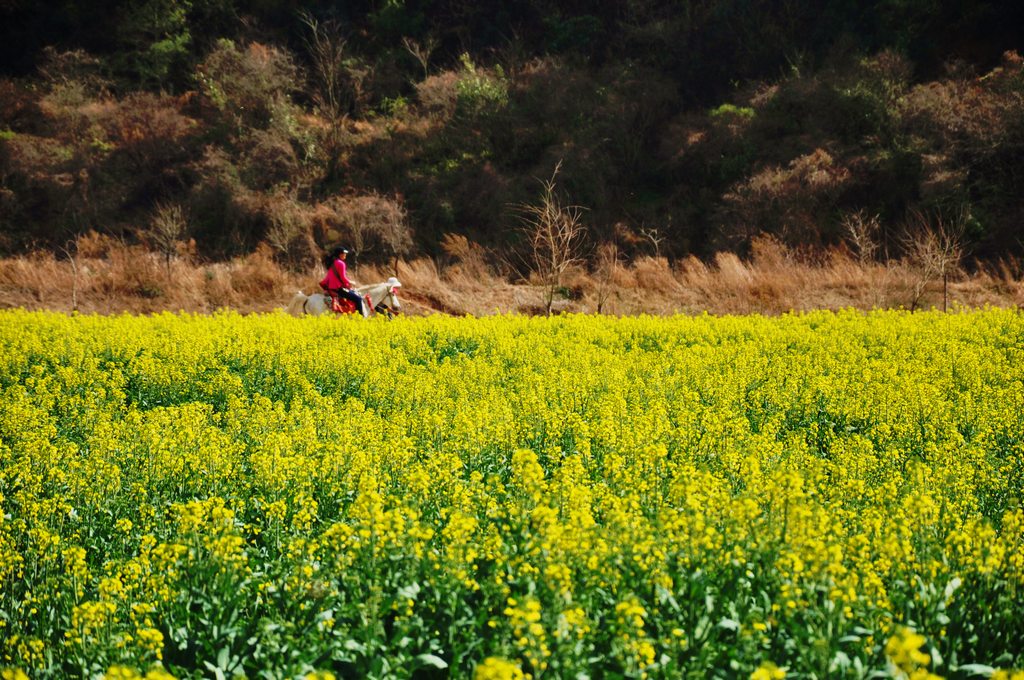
[(336, 277)]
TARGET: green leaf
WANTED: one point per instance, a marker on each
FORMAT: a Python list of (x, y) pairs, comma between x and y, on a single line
[(665, 597), (410, 591), (976, 669), (431, 661), (839, 662), (355, 646), (729, 624), (217, 672)]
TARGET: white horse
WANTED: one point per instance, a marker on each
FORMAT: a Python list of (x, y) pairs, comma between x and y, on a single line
[(382, 297)]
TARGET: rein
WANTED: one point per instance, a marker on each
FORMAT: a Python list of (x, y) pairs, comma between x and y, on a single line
[(382, 306), (391, 294)]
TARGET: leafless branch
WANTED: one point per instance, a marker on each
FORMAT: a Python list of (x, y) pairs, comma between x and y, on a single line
[(167, 229), (862, 231), (327, 50), (554, 232), (934, 250), (421, 51), (656, 239)]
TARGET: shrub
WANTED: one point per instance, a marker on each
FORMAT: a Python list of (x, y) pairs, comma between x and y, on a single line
[(288, 231), (248, 86), (375, 226), (969, 117), (438, 94), (225, 211), (470, 258), (480, 92), (143, 143), (269, 160), (732, 110), (969, 130), (790, 202), (19, 109)]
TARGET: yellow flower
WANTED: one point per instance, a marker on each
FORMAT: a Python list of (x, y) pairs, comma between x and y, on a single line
[(1008, 675), (768, 671), (126, 673), (493, 668), (904, 650), (13, 674), (151, 640), (158, 674), (544, 468)]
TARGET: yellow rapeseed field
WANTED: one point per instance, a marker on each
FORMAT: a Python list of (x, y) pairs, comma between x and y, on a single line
[(828, 495)]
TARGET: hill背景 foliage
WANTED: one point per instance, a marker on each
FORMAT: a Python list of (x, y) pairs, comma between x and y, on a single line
[(693, 126)]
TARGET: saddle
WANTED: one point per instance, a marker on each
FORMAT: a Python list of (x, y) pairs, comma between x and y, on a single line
[(340, 305)]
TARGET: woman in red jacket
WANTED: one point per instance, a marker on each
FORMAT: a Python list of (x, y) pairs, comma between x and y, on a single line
[(335, 283)]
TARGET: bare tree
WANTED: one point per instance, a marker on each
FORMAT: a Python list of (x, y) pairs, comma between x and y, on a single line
[(288, 233), (554, 232), (396, 237), (166, 230), (652, 234), (934, 251), (333, 94), (327, 51), (421, 51), (373, 222), (862, 231)]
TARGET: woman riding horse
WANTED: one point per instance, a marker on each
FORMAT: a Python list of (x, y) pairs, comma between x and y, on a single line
[(382, 297), (336, 284)]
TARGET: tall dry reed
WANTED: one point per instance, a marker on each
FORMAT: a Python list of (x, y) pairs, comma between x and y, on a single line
[(104, 276)]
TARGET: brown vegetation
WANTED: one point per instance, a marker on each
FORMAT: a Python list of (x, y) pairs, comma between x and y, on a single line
[(100, 275), (863, 172), (267, 151)]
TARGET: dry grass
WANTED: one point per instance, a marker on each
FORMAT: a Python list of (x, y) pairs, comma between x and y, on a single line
[(107, 277), (132, 279)]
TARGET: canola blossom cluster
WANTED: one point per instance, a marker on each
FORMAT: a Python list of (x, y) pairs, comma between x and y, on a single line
[(819, 495)]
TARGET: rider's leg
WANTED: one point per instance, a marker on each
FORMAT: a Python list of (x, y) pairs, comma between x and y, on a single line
[(356, 299)]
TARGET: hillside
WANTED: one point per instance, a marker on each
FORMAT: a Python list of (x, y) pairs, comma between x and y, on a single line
[(418, 129)]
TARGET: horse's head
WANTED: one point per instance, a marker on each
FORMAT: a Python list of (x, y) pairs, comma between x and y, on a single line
[(391, 297)]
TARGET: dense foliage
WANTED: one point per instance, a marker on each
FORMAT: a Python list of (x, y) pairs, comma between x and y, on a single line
[(682, 127), (823, 495)]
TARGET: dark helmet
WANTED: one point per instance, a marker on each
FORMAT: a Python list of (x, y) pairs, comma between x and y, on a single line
[(334, 254)]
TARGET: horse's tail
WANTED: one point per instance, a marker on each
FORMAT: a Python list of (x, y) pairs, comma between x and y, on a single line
[(295, 306)]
